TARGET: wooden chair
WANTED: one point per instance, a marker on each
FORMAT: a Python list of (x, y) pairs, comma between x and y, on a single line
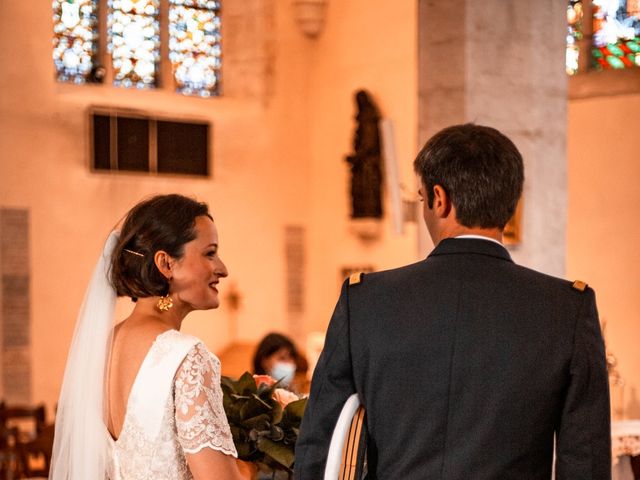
[(20, 415), (29, 440), (346, 459)]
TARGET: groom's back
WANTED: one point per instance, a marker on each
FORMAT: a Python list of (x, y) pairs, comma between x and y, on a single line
[(462, 362), (466, 363)]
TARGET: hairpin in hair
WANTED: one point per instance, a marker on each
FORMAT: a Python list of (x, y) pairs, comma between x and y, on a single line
[(133, 253)]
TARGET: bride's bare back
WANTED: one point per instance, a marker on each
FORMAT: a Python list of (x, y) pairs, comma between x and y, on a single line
[(132, 340)]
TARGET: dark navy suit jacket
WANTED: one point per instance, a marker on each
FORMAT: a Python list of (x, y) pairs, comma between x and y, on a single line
[(467, 365)]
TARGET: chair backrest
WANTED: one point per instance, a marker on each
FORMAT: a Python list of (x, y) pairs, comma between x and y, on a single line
[(15, 415), (347, 450)]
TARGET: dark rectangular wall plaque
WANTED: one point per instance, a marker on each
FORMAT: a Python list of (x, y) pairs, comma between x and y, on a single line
[(183, 148), (136, 142), (133, 144)]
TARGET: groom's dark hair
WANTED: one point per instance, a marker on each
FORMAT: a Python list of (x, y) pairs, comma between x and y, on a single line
[(480, 169), (163, 222)]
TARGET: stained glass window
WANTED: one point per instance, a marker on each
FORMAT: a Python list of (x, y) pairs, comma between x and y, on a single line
[(574, 35), (194, 46), (616, 34), (75, 39), (134, 42)]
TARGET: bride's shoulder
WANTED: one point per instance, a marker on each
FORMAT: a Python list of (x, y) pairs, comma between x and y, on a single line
[(174, 339), (193, 345)]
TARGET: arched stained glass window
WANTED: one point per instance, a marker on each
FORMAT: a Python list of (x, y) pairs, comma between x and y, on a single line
[(194, 46), (574, 35), (75, 39), (134, 42), (616, 34)]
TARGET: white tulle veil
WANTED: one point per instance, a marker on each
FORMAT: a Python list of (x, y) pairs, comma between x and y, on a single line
[(81, 438)]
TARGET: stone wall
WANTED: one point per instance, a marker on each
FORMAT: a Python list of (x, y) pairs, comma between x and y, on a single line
[(501, 63)]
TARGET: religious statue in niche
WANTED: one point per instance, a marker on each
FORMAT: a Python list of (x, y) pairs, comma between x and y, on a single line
[(366, 163)]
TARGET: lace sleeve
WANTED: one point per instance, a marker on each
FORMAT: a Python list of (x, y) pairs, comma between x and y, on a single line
[(200, 418)]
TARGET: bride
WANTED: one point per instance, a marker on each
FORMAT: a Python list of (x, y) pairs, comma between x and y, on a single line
[(143, 400)]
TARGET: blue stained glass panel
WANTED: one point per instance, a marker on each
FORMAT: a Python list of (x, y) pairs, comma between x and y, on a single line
[(75, 27), (194, 46), (205, 4), (134, 42), (574, 35)]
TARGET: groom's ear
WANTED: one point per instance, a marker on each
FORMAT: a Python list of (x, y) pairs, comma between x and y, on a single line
[(164, 262), (441, 202)]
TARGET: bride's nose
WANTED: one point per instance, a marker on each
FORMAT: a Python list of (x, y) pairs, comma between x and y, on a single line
[(221, 268)]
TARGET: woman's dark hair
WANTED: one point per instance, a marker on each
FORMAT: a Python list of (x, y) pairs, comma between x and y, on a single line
[(480, 169), (270, 345), (163, 222)]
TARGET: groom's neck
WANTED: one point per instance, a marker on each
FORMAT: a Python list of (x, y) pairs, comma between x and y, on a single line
[(455, 230)]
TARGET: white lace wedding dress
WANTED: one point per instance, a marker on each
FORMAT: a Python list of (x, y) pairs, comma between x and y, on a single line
[(175, 407)]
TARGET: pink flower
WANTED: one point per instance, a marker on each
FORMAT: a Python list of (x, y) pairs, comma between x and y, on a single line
[(284, 397), (266, 379)]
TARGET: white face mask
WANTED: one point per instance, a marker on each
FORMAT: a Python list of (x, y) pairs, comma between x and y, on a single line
[(283, 371)]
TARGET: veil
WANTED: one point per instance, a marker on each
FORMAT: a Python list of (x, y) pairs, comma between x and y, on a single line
[(81, 439)]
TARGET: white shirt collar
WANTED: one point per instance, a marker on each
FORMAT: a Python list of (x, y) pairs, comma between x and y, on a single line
[(480, 237)]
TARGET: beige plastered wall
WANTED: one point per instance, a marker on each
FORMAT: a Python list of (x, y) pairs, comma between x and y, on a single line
[(280, 134), (370, 45), (603, 228), (258, 151)]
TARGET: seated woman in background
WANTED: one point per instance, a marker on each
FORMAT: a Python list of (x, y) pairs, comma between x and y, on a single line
[(277, 356)]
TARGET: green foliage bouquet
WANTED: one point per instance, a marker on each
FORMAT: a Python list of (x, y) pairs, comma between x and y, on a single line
[(264, 420)]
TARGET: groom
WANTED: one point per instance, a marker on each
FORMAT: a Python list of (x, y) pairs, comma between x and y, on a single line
[(467, 364)]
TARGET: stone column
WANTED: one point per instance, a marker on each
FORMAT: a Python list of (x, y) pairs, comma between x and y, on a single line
[(501, 63)]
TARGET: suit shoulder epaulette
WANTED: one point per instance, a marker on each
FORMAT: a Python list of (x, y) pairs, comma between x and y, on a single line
[(355, 278), (579, 285)]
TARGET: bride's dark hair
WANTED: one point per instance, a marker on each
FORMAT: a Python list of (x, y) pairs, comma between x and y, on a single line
[(163, 222)]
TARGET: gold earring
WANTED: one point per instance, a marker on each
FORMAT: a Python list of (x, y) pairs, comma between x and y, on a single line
[(165, 303)]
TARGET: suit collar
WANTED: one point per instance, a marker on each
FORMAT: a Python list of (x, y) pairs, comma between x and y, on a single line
[(453, 246)]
